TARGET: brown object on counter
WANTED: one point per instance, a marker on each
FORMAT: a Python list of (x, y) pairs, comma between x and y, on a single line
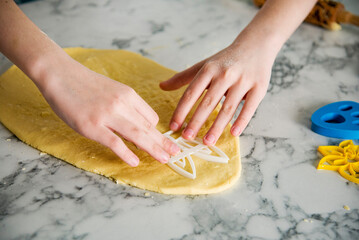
[(327, 14)]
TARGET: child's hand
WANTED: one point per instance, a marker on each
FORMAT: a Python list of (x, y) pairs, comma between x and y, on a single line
[(98, 107), (239, 72), (93, 105)]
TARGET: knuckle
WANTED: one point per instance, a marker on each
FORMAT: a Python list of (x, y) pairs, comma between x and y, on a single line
[(243, 119), (147, 126), (114, 103), (228, 73), (195, 124), (228, 109), (208, 67), (83, 126), (187, 96), (135, 131), (166, 143), (215, 130), (112, 142), (95, 121), (250, 110), (207, 101), (156, 151)]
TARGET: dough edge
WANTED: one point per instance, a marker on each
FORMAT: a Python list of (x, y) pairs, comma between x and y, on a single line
[(166, 190)]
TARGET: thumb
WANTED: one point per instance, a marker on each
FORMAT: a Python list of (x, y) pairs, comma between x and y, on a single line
[(182, 78)]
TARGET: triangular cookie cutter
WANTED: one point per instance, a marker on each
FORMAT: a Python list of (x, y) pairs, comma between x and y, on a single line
[(191, 148)]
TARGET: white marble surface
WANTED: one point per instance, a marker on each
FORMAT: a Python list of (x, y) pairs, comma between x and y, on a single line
[(280, 195)]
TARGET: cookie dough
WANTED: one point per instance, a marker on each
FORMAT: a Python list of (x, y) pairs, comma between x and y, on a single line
[(25, 112)]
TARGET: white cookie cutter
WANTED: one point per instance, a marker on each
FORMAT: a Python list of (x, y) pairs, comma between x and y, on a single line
[(195, 148)]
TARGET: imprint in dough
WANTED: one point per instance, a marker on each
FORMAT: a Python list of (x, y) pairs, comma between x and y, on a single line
[(24, 112)]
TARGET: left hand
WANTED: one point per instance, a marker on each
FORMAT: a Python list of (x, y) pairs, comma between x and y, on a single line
[(239, 72)]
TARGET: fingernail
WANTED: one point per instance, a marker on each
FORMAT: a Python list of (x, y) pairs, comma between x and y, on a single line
[(188, 133), (236, 130), (210, 138), (175, 149), (174, 126), (165, 158), (134, 162)]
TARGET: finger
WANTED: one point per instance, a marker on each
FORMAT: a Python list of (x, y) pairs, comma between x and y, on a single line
[(182, 78), (225, 115), (205, 108), (141, 132), (146, 111), (164, 142), (109, 139), (169, 146), (144, 141), (189, 98), (253, 98)]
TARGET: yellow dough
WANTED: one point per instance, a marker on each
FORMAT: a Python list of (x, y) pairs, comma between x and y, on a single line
[(25, 112)]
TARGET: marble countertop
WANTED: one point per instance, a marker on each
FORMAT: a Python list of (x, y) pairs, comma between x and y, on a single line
[(280, 195)]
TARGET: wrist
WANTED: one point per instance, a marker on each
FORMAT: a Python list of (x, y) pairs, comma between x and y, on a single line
[(265, 40), (255, 45), (43, 66)]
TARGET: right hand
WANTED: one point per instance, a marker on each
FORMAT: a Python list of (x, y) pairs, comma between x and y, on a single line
[(239, 72), (98, 107)]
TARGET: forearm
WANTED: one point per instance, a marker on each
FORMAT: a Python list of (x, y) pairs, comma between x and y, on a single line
[(23, 43), (275, 23)]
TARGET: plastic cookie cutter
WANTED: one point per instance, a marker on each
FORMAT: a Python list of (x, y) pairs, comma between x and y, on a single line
[(338, 120), (191, 148), (343, 158)]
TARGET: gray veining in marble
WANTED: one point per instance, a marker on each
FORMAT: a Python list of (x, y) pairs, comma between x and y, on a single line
[(280, 195)]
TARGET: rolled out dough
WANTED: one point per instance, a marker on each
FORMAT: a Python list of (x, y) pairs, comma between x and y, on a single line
[(24, 112)]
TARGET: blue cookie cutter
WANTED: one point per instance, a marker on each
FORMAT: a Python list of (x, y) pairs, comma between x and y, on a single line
[(337, 120)]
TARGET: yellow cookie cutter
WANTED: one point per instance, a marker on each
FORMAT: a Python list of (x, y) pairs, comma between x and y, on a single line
[(343, 158)]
